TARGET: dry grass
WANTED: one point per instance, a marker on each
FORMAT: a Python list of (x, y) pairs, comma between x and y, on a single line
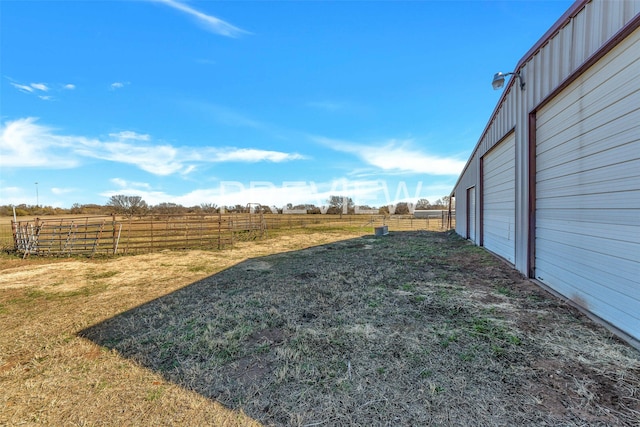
[(49, 375), (414, 328)]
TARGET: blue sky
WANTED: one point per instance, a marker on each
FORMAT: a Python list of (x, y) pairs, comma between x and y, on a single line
[(230, 102)]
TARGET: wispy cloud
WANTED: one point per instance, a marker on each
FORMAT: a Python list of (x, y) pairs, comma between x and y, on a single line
[(40, 86), (127, 134), (26, 143), (123, 183), (211, 23), (397, 156), (117, 85), (61, 191), (39, 89), (250, 155), (22, 88)]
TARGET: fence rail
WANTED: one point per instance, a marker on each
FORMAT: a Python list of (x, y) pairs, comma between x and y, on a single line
[(109, 235)]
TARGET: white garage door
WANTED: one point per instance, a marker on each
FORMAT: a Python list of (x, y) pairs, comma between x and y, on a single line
[(471, 213), (499, 199), (587, 241)]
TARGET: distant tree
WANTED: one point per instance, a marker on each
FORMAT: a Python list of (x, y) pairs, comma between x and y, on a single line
[(384, 210), (94, 209), (446, 200), (167, 208), (209, 207), (423, 204), (340, 205), (438, 204), (76, 209), (128, 205), (402, 208)]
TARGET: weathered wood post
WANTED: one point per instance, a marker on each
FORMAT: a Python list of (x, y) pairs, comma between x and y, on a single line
[(113, 233)]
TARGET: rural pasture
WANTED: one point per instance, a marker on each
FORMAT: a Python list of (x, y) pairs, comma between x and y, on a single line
[(304, 329)]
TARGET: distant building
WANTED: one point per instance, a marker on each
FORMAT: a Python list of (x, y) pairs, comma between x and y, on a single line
[(431, 213), (553, 184)]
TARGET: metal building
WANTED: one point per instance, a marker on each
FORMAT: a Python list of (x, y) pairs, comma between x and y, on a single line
[(553, 185)]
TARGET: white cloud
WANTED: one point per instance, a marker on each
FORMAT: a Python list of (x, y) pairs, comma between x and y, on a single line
[(116, 85), (251, 155), (130, 135), (40, 86), (123, 183), (60, 191), (397, 156), (22, 88), (211, 23), (25, 143), (155, 159)]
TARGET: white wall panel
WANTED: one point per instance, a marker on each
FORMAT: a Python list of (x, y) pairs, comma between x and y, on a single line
[(588, 170)]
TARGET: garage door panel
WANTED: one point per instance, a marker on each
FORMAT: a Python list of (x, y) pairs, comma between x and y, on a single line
[(500, 160), (498, 203), (584, 183), (471, 214), (583, 282), (599, 106), (553, 223), (612, 218), (587, 188), (617, 307), (583, 244), (608, 175), (617, 200), (618, 133)]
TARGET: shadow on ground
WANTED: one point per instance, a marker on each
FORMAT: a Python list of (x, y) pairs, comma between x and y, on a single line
[(412, 328)]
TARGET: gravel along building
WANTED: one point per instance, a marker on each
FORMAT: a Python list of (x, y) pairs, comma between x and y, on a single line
[(553, 184)]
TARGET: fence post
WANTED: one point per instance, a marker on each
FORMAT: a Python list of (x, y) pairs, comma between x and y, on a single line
[(113, 234)]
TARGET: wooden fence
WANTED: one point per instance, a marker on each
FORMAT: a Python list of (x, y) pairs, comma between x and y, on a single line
[(394, 222), (109, 235)]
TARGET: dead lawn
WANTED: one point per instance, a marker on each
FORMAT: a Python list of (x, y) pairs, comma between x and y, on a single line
[(415, 328)]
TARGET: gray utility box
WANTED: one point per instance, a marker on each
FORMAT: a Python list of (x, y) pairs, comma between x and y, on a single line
[(382, 231)]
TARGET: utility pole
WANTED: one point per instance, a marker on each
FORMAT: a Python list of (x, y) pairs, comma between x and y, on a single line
[(37, 196)]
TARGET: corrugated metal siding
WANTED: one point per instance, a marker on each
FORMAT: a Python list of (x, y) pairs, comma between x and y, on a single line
[(499, 199), (544, 68), (587, 174)]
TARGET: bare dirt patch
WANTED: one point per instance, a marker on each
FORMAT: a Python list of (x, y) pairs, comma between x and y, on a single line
[(414, 328)]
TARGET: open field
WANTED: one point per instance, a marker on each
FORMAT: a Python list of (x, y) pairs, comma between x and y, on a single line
[(313, 328), (107, 235)]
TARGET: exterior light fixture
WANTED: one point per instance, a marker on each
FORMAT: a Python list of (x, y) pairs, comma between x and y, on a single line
[(498, 80)]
